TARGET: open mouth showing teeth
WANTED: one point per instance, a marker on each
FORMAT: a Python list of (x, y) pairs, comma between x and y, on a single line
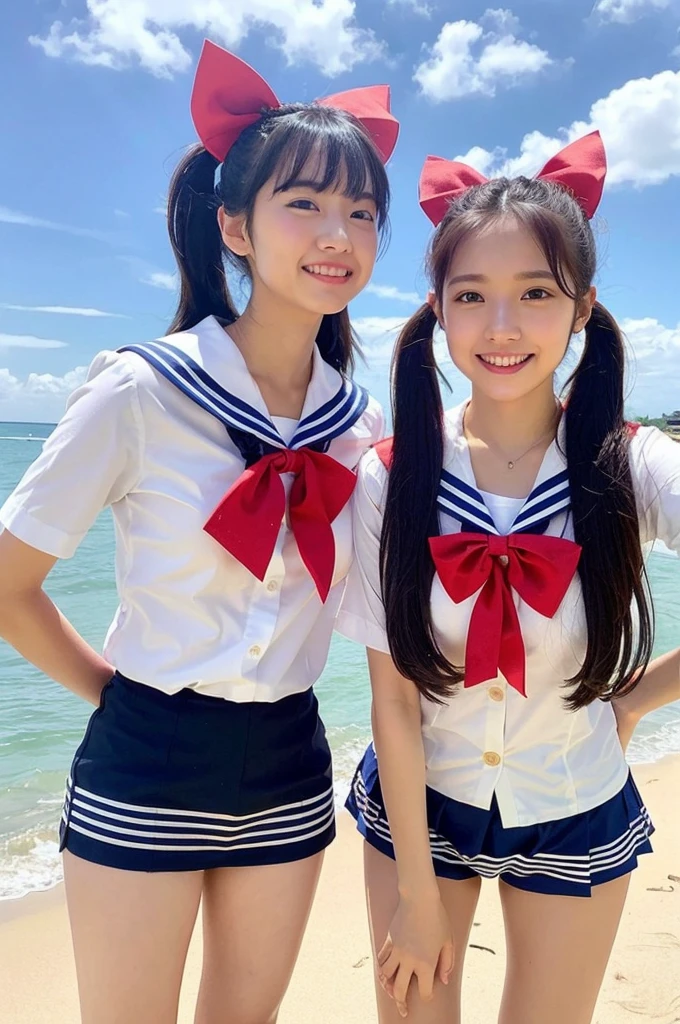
[(505, 360), (324, 271)]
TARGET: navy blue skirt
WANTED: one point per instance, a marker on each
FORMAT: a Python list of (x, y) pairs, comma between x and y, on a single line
[(564, 857), (186, 782)]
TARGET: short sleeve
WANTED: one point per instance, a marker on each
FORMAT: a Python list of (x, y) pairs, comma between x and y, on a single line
[(91, 460), (362, 613), (655, 467)]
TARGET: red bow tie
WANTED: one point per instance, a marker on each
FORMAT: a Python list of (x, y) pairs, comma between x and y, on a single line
[(539, 568), (248, 519)]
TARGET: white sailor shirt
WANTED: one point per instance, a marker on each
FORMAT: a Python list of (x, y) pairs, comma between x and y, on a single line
[(147, 435), (540, 760)]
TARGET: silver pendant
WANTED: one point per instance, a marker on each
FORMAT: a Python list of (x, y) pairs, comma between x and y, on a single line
[(511, 465)]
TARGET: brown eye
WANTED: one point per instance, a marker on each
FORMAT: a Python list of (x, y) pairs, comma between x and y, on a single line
[(298, 204)]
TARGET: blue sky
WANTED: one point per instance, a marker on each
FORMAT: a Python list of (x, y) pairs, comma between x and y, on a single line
[(95, 114)]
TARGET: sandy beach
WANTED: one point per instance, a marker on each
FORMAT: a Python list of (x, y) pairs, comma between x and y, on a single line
[(333, 981)]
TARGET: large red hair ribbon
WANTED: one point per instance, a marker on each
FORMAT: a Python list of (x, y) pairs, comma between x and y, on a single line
[(580, 167), (229, 95)]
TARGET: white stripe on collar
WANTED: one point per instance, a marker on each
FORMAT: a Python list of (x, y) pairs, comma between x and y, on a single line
[(466, 504), (333, 418), (460, 498)]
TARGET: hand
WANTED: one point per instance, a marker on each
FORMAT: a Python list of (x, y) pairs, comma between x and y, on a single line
[(418, 944), (626, 721)]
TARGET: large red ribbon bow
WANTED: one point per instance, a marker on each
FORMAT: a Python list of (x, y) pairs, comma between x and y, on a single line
[(248, 519), (580, 167), (539, 568), (229, 95)]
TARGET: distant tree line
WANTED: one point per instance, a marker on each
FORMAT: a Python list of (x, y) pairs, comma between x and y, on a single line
[(659, 421)]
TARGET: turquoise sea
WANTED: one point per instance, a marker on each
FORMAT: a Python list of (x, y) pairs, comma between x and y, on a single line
[(41, 724)]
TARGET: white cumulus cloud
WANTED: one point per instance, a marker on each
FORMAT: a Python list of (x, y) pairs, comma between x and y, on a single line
[(627, 11), (640, 125), (471, 58), (117, 33), (653, 365), (41, 397), (415, 6)]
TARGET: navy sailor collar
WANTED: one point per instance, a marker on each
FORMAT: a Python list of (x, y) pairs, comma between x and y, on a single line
[(460, 497), (207, 366)]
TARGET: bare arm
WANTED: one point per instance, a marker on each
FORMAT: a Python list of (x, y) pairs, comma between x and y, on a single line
[(660, 685), (655, 466), (399, 746), (32, 624), (420, 934)]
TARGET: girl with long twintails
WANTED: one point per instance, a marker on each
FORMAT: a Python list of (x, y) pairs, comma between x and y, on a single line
[(499, 586)]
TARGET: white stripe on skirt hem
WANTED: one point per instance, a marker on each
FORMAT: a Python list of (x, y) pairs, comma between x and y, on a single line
[(254, 831), (573, 868)]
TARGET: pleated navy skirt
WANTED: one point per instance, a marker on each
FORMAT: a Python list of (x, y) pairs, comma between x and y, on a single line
[(186, 782), (565, 857)]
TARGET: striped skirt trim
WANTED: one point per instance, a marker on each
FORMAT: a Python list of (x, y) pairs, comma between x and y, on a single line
[(171, 830), (562, 857), (187, 782), (574, 868)]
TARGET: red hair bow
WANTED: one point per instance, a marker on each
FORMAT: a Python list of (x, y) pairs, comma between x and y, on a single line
[(229, 95), (580, 167)]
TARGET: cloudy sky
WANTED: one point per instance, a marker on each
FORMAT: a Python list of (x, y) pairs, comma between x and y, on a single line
[(95, 113)]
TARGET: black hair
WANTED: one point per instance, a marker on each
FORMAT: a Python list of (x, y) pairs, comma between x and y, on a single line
[(283, 143), (611, 568)]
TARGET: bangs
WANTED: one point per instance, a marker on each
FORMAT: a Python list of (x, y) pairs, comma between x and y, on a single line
[(542, 224), (327, 151), (546, 229), (546, 210)]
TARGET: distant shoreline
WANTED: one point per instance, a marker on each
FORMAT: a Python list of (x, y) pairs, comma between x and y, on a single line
[(22, 423)]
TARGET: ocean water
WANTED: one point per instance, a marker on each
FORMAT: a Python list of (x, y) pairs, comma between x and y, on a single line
[(41, 724)]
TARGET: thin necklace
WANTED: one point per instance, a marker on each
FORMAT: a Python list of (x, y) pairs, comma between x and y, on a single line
[(511, 463)]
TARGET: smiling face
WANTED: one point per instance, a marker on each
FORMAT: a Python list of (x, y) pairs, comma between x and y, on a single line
[(313, 249), (309, 233), (507, 322)]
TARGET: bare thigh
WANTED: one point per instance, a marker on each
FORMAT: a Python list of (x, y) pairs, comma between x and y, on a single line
[(131, 931), (460, 900), (558, 950), (254, 919)]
